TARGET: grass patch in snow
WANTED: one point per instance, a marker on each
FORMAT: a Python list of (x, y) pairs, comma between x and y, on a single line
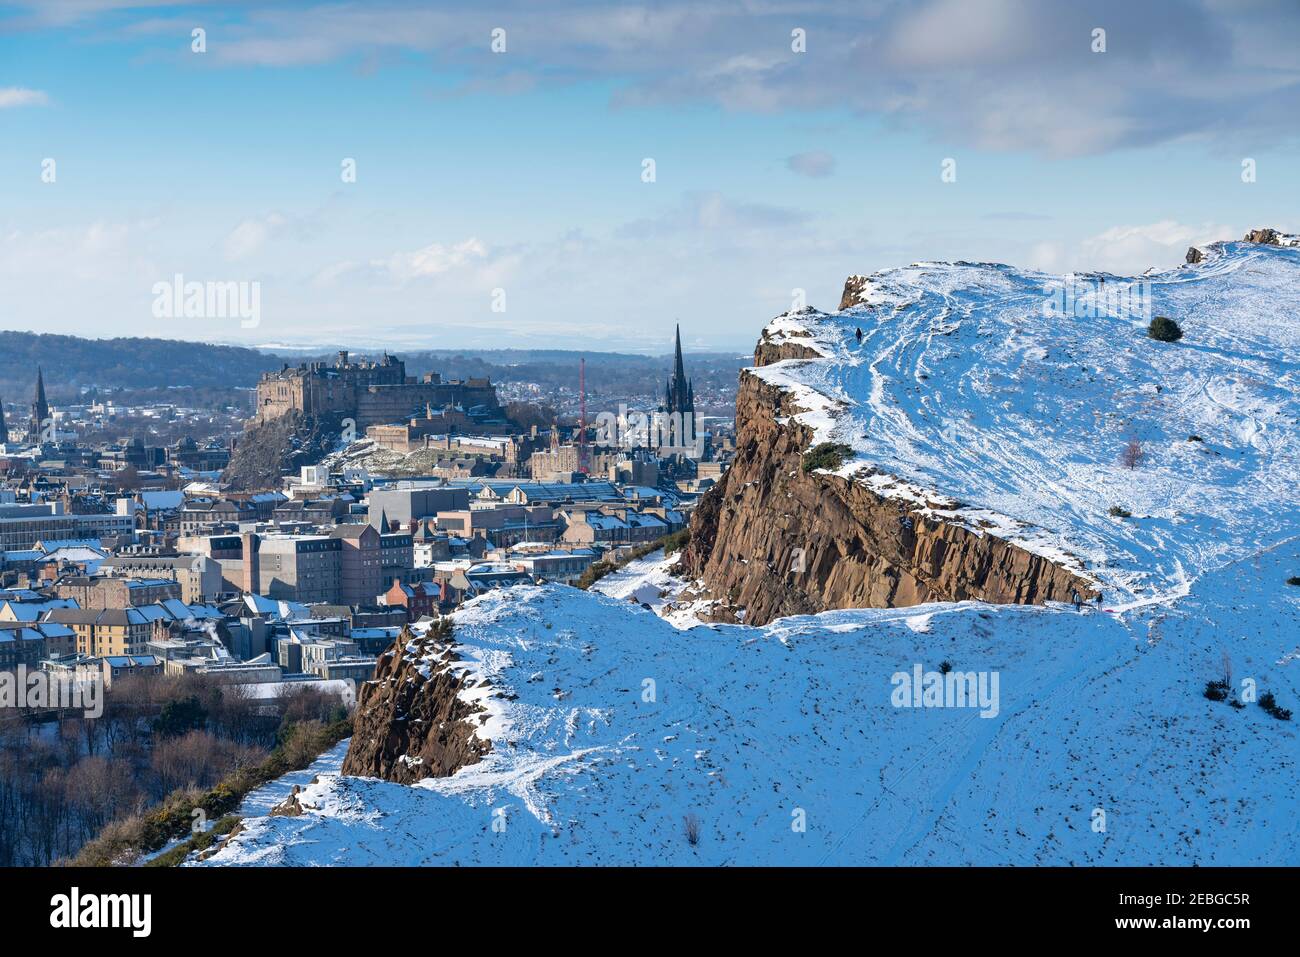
[(827, 455), (598, 570)]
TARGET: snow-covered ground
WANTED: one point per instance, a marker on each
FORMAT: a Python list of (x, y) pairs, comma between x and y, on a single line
[(627, 735), (612, 729), (962, 391)]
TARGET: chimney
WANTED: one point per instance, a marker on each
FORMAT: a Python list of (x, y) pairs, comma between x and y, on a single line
[(251, 577)]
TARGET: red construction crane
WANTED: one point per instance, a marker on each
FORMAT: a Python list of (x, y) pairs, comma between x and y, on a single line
[(582, 415)]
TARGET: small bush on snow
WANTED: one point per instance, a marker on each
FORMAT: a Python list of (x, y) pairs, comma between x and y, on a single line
[(827, 455), (1217, 690), (1164, 329), (1269, 704)]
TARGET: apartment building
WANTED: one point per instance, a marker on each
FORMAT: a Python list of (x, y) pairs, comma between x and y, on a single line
[(559, 566), (504, 524), (302, 568), (418, 598), (361, 563), (22, 526), (20, 645), (407, 502), (117, 592), (198, 576), (106, 631)]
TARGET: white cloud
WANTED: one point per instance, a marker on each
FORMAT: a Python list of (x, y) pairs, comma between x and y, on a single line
[(434, 259), (1132, 249), (253, 234), (1127, 250), (999, 74), (21, 96)]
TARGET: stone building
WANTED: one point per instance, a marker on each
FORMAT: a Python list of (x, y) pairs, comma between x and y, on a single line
[(369, 392), (360, 563)]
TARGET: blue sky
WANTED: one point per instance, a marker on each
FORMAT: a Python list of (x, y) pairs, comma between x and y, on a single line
[(521, 171)]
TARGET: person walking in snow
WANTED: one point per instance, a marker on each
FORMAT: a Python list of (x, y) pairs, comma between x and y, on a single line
[(1077, 599), (859, 335)]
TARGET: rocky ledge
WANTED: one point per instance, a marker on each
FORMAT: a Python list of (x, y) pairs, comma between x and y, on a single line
[(1264, 236), (774, 540), (412, 721)]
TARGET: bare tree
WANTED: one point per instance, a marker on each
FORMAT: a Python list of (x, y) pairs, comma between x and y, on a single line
[(1132, 455)]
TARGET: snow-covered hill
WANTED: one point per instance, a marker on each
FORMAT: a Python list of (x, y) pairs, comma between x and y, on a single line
[(623, 735), (751, 731), (970, 385)]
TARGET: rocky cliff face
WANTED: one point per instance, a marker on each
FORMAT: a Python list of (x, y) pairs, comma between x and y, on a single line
[(411, 721), (268, 450), (774, 540)]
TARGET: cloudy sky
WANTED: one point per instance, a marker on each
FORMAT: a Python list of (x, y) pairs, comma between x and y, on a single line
[(502, 197)]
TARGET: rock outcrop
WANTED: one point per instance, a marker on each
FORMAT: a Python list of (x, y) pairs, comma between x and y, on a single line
[(774, 540), (266, 451), (1269, 237), (411, 722), (1264, 236), (854, 287)]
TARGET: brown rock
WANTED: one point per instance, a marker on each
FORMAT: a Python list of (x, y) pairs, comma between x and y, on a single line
[(1269, 237), (775, 541), (854, 287), (290, 806), (407, 726)]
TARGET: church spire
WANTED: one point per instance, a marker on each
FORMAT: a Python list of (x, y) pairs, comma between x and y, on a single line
[(40, 411), (679, 368), (679, 396)]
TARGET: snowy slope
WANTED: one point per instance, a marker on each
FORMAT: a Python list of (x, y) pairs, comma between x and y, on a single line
[(960, 391), (963, 389), (749, 727)]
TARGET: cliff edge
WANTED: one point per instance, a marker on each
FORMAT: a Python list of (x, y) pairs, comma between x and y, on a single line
[(417, 718), (774, 539)]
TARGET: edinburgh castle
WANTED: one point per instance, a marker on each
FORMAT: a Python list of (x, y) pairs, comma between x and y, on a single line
[(369, 392)]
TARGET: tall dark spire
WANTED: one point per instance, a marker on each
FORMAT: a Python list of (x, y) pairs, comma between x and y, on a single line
[(40, 411), (679, 396), (679, 367), (4, 433)]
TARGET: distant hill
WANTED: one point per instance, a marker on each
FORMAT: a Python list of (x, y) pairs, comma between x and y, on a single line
[(71, 363)]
